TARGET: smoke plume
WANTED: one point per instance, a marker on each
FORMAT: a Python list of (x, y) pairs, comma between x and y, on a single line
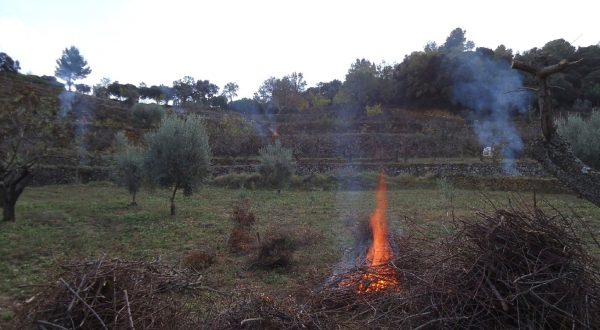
[(81, 111), (486, 86)]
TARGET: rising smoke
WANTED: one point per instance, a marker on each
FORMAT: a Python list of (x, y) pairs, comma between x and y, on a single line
[(487, 86), (81, 111)]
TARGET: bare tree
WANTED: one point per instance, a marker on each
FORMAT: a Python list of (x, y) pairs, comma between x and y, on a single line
[(552, 151)]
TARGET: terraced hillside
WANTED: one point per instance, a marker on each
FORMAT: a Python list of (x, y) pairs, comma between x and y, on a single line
[(416, 142)]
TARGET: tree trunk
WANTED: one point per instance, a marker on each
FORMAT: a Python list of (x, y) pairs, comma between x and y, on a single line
[(545, 105), (8, 213), (173, 200), (544, 96), (133, 203), (557, 158), (11, 189)]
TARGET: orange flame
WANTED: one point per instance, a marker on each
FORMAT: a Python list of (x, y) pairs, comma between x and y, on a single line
[(380, 252), (380, 275)]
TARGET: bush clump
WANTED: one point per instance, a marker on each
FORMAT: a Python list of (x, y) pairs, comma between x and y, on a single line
[(197, 260), (275, 251), (242, 239), (277, 247), (584, 137), (242, 214), (128, 166), (146, 115), (276, 165), (233, 136), (238, 180)]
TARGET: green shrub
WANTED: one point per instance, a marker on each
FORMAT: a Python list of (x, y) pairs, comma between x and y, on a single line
[(178, 155), (233, 136), (374, 110), (129, 170), (584, 137), (320, 181), (276, 165), (146, 115), (326, 121), (121, 141), (238, 180), (296, 181), (128, 166)]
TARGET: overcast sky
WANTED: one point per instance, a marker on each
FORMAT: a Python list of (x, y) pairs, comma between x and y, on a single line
[(248, 41)]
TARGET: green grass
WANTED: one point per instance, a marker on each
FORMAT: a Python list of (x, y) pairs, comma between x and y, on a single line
[(59, 223)]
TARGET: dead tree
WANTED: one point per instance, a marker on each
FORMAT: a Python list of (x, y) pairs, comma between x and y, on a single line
[(552, 151)]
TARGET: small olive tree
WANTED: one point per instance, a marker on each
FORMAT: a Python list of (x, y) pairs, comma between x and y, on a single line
[(178, 155), (276, 165), (129, 166), (584, 137)]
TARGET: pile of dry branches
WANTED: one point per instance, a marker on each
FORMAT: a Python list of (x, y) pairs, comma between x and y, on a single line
[(511, 268), (242, 238), (112, 294), (251, 310), (517, 268)]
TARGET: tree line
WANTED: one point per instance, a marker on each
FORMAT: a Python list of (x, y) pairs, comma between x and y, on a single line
[(428, 78), (423, 79)]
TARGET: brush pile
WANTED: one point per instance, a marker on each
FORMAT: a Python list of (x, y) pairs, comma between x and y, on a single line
[(252, 310), (112, 294), (516, 269), (242, 238), (510, 268)]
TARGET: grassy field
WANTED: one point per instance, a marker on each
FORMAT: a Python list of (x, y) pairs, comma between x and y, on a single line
[(56, 224)]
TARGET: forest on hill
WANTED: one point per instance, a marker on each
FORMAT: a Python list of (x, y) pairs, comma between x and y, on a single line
[(430, 78)]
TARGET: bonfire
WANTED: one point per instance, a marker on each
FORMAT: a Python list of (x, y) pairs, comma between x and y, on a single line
[(380, 274)]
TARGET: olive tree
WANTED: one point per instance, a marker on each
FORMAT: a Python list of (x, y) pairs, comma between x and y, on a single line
[(276, 165), (584, 137), (30, 131), (129, 166), (178, 155)]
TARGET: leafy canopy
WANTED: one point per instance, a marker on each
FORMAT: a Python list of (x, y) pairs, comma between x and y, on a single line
[(276, 165), (71, 66), (584, 137), (128, 166), (178, 154)]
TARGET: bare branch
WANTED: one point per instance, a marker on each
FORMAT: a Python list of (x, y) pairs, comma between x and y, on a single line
[(546, 71), (519, 65), (522, 89), (85, 304)]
